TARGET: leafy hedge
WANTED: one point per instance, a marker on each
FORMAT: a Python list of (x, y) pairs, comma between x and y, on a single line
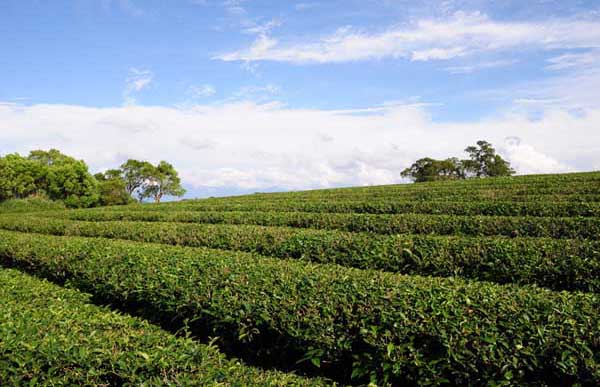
[(53, 336), (479, 196), (556, 264), (553, 227), (398, 329), (578, 191), (30, 205), (497, 208), (525, 185)]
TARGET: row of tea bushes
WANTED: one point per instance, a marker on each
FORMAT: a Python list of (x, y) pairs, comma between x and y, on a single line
[(395, 329), (53, 336), (489, 208), (418, 196), (526, 186), (557, 264), (552, 227)]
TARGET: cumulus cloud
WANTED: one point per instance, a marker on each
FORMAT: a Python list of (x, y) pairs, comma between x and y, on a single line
[(427, 39), (526, 159), (250, 146)]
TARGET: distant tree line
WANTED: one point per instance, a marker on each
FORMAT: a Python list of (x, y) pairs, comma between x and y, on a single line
[(56, 176), (483, 161)]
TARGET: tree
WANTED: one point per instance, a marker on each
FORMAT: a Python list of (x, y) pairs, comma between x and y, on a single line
[(163, 180), (49, 158), (135, 174), (428, 169), (112, 189), (20, 177), (484, 162), (48, 173), (66, 178)]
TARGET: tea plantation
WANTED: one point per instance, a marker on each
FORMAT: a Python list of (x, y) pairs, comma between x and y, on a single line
[(477, 282)]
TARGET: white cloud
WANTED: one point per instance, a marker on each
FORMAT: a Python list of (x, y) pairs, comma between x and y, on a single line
[(470, 68), (137, 80), (575, 61), (202, 91), (526, 159), (579, 89), (261, 29), (427, 39), (257, 146)]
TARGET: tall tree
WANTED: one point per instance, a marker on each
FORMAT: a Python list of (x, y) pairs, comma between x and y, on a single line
[(135, 174), (484, 162), (163, 180)]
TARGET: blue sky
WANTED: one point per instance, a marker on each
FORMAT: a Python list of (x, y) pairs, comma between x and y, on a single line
[(256, 95)]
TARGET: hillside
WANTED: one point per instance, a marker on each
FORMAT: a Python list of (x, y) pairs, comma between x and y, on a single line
[(484, 281)]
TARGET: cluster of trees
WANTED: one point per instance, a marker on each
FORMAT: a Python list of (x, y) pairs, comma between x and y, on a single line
[(56, 176), (139, 179), (483, 161)]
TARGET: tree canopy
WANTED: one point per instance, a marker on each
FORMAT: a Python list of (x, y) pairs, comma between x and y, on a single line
[(162, 180), (47, 173), (482, 162), (56, 176), (428, 169)]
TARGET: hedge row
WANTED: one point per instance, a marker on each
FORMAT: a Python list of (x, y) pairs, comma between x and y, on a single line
[(514, 192), (30, 205), (53, 336), (553, 227), (395, 329), (557, 183), (421, 196), (489, 208), (556, 264), (579, 188)]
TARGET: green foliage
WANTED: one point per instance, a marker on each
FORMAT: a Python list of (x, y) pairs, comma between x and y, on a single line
[(374, 325), (20, 177), (389, 206), (148, 181), (163, 180), (306, 297), (31, 204), (135, 173), (112, 188), (556, 264), (57, 176), (483, 162), (53, 336), (428, 169), (50, 174), (512, 226)]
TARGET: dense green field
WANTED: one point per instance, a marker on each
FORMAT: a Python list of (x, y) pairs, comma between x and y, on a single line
[(478, 282)]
